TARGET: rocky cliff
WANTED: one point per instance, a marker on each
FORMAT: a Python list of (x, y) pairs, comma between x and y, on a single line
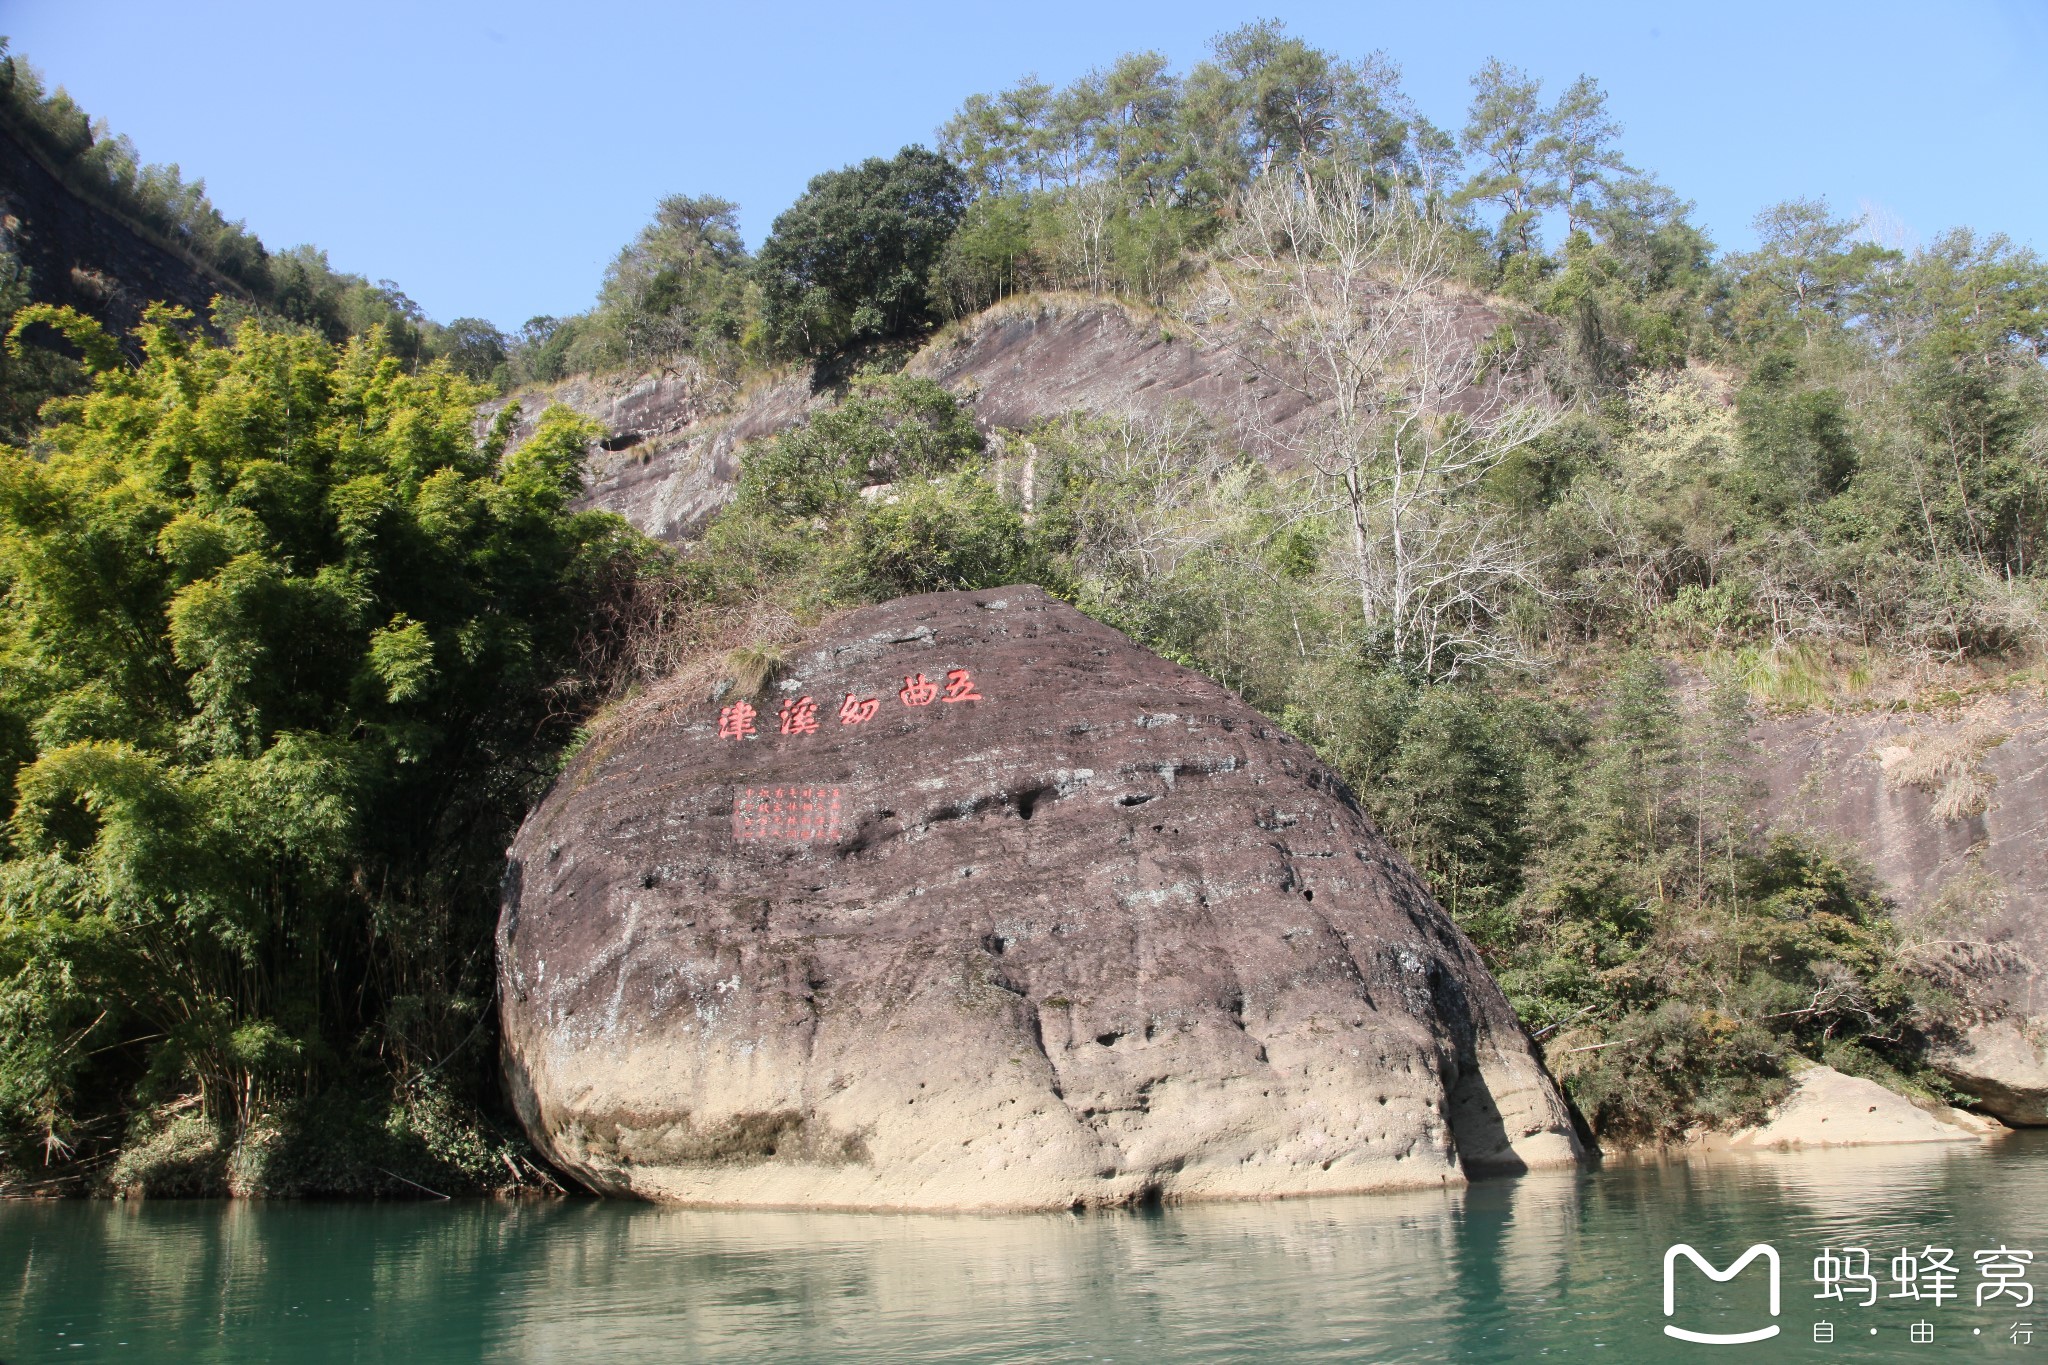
[(670, 453), (669, 456), (1032, 358), (1950, 807), (87, 256), (982, 906)]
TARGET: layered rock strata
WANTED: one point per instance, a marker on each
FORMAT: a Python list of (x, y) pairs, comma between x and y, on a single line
[(982, 906)]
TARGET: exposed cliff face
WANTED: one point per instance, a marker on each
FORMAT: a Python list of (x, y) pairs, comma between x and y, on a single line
[(1951, 810), (87, 257), (1038, 920), (670, 455), (1032, 358), (669, 458), (1025, 361)]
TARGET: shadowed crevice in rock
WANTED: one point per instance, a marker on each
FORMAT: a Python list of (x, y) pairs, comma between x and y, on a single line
[(1103, 935), (746, 1138), (1485, 1146)]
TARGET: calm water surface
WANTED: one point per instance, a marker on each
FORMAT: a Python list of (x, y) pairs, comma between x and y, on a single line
[(1546, 1267)]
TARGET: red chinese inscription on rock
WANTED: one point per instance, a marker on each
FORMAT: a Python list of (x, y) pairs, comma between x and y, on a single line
[(792, 814), (736, 721), (799, 717)]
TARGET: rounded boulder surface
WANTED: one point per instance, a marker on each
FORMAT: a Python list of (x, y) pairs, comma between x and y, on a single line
[(980, 905), (1826, 1108)]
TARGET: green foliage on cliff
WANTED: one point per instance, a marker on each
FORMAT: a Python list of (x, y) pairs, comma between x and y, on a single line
[(110, 168), (29, 375), (887, 429), (297, 285), (881, 495), (851, 259), (680, 287), (285, 657)]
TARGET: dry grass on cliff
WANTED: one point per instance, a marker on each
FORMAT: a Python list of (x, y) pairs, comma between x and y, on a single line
[(687, 659), (1949, 767), (1041, 305)]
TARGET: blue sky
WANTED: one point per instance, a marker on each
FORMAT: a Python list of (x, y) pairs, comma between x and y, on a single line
[(491, 158)]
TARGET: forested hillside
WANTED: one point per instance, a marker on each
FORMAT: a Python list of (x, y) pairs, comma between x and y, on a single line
[(74, 184), (1531, 499)]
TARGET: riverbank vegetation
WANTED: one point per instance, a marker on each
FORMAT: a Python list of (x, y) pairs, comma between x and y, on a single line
[(1562, 498), (288, 651)]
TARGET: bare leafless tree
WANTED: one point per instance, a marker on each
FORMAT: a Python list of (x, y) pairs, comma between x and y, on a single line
[(1161, 493), (1346, 299)]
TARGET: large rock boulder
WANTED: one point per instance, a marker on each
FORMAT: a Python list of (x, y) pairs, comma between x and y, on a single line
[(1999, 1063), (982, 906)]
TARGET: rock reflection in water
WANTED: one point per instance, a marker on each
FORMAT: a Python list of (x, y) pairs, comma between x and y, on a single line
[(1563, 1263), (1202, 1281)]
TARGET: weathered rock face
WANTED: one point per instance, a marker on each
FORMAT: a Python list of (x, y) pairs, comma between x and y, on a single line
[(669, 456), (1829, 1109), (1974, 888), (670, 453), (2000, 1061), (1057, 923), (1025, 361), (1031, 358)]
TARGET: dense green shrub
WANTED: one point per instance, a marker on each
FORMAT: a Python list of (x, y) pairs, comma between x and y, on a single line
[(284, 658), (925, 535), (29, 375), (852, 258), (888, 428)]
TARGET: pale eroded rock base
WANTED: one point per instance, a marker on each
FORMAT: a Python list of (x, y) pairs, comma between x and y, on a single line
[(1830, 1109)]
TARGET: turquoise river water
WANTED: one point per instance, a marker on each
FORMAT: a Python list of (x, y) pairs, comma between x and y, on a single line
[(1547, 1267)]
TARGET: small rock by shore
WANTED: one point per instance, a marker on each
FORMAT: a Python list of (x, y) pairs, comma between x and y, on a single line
[(1829, 1109)]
